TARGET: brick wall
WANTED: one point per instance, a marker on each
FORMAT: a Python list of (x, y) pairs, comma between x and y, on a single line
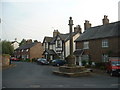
[(36, 51), (95, 48), (5, 60)]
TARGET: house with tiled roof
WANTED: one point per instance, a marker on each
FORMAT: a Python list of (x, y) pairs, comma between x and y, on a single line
[(98, 43), (30, 50), (59, 45)]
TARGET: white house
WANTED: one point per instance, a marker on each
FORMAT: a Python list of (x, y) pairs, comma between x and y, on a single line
[(58, 45), (15, 44)]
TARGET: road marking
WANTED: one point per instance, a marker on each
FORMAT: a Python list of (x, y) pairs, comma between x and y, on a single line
[(35, 86), (117, 84)]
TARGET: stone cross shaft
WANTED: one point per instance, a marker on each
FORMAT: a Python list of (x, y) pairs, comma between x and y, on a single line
[(71, 39)]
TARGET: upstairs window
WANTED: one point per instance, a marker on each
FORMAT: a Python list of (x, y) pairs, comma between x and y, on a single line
[(105, 43), (86, 45), (58, 43)]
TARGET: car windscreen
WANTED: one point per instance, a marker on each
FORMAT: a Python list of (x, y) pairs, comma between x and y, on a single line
[(115, 63)]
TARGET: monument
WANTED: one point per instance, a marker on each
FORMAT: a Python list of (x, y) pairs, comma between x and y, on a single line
[(71, 69)]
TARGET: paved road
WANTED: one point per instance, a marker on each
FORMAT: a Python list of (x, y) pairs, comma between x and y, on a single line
[(31, 75)]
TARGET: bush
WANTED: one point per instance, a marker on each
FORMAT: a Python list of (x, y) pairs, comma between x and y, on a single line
[(100, 65), (84, 62)]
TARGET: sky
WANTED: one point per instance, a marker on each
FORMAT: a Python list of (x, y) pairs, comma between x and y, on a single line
[(35, 19)]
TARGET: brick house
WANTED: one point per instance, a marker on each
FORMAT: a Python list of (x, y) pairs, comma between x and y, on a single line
[(98, 43), (58, 46), (29, 50)]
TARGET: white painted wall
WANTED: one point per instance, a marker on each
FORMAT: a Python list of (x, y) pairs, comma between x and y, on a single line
[(15, 45), (51, 46), (67, 48)]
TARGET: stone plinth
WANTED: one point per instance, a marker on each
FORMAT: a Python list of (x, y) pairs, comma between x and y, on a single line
[(72, 71)]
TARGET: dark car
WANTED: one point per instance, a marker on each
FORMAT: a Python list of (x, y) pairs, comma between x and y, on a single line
[(58, 62), (42, 61), (14, 59)]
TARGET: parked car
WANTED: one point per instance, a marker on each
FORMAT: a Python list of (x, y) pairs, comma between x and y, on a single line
[(58, 62), (14, 59), (113, 66), (42, 61)]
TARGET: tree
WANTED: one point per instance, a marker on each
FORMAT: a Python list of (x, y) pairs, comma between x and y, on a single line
[(23, 42), (7, 48)]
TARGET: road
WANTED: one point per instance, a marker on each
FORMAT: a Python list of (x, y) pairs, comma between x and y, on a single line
[(31, 75)]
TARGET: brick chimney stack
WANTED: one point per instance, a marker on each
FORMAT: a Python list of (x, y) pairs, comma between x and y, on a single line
[(29, 41), (77, 29), (105, 20), (55, 33), (87, 25)]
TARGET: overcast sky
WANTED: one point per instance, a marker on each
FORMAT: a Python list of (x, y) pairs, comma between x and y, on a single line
[(34, 19)]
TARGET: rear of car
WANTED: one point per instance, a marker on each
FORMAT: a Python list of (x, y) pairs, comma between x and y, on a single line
[(113, 66), (58, 62), (14, 59), (42, 61)]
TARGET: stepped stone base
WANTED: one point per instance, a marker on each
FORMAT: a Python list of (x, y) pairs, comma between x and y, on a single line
[(72, 71)]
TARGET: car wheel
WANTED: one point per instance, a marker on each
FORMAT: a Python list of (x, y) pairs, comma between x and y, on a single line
[(57, 64), (111, 74)]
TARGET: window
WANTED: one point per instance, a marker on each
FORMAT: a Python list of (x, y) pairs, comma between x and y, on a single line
[(86, 45), (105, 57), (58, 43), (85, 57), (46, 45), (27, 50), (27, 56), (105, 43), (22, 50)]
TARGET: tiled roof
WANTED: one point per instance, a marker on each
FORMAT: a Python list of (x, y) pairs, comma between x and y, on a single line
[(78, 52), (51, 52), (48, 39), (103, 31), (26, 46)]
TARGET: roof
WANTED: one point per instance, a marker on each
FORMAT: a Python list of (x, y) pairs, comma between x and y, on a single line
[(64, 37), (51, 52), (103, 31), (73, 33), (26, 46), (78, 52), (14, 42), (48, 39)]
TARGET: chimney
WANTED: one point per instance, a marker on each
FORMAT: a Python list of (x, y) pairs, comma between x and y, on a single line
[(55, 33), (105, 20), (77, 29), (35, 41), (87, 25), (29, 41)]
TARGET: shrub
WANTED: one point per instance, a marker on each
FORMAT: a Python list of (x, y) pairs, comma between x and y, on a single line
[(84, 62), (100, 65)]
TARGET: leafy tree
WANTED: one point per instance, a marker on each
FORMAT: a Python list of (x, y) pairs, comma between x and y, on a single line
[(22, 42), (7, 48)]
